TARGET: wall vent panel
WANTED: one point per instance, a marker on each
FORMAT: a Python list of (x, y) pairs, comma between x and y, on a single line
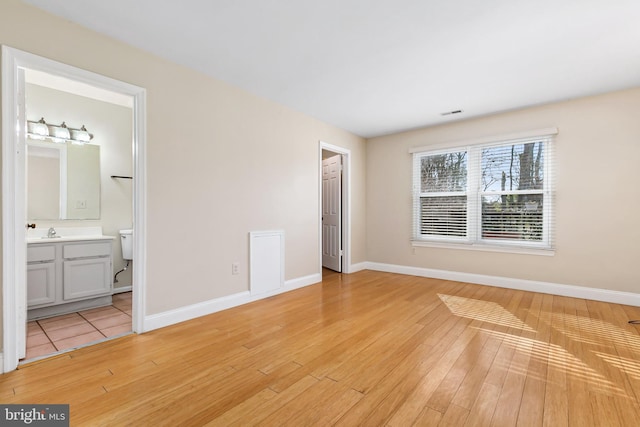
[(266, 261)]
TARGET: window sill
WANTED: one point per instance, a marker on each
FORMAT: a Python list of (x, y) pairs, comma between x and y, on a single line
[(484, 248)]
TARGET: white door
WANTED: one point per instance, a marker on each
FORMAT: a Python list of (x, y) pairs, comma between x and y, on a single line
[(332, 213), (20, 200)]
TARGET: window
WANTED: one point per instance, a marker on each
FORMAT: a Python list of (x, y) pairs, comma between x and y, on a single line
[(443, 195), (485, 194)]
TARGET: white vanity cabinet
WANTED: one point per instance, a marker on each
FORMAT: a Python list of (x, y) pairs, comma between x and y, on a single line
[(67, 276), (86, 269), (41, 274)]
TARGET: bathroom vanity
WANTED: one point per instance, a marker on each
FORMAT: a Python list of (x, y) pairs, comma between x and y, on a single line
[(68, 273)]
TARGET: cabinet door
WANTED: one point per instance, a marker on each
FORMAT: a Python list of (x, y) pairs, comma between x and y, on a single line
[(41, 284), (85, 278)]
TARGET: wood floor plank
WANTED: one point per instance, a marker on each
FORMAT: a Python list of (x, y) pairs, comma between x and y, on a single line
[(454, 417), (469, 389), (261, 405), (604, 411), (335, 410), (532, 404), (481, 413), (307, 405), (368, 348), (372, 363), (427, 418), (556, 411), (579, 407), (501, 362), (531, 409), (510, 400)]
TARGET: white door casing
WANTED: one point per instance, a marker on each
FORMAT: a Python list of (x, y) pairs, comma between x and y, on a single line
[(14, 293), (21, 206), (332, 213)]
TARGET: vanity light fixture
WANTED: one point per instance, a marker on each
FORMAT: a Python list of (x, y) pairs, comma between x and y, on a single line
[(38, 130), (59, 133), (42, 130), (81, 135)]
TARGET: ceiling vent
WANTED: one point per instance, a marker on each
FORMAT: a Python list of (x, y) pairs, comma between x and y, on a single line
[(449, 113)]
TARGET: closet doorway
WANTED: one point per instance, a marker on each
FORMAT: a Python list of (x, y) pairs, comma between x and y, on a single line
[(335, 213)]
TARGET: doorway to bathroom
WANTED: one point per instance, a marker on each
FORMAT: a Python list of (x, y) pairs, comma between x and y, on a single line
[(76, 187), (112, 112)]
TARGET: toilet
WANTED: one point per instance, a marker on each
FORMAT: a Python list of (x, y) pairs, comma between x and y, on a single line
[(126, 239)]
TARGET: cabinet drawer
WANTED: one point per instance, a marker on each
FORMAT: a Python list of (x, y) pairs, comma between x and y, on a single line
[(84, 250), (38, 253)]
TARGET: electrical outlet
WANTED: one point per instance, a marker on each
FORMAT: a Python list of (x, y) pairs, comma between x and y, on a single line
[(235, 268)]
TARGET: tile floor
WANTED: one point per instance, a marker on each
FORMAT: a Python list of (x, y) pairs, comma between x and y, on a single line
[(46, 336)]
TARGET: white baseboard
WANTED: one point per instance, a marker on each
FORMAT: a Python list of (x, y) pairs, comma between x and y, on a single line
[(204, 308), (358, 267), (122, 289), (2, 363), (574, 291), (300, 282)]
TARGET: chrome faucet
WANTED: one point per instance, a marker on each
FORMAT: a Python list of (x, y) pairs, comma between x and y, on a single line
[(51, 233)]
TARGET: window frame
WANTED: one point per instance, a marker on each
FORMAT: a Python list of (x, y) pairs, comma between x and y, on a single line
[(417, 171), (474, 193)]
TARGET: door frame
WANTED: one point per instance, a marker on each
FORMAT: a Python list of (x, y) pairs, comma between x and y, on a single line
[(14, 245), (346, 204)]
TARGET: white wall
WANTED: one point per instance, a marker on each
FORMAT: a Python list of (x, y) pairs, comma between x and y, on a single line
[(597, 203)]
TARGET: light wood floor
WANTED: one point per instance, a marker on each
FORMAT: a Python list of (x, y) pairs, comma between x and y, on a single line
[(363, 349)]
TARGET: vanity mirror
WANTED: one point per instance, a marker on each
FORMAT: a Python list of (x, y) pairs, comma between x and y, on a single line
[(63, 181)]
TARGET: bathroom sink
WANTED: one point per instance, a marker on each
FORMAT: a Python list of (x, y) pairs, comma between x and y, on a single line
[(65, 239), (66, 234)]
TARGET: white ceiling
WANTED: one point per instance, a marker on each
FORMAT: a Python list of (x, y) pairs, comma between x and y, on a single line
[(375, 67)]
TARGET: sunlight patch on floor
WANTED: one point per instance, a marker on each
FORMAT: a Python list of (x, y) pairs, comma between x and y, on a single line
[(598, 332), (629, 366), (557, 358), (485, 311)]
